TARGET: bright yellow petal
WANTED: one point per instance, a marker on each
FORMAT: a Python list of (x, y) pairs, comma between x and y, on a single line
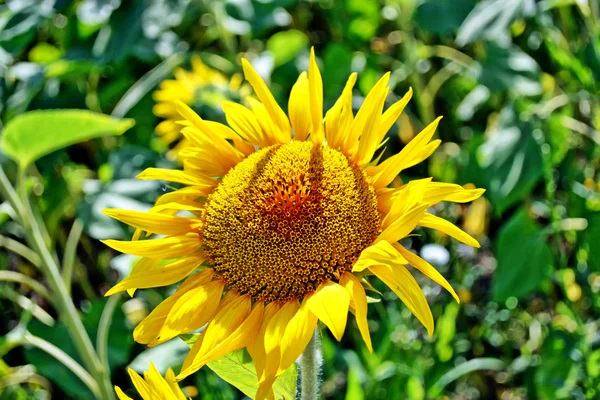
[(401, 282), (273, 334), (440, 191), (381, 253), (143, 278), (358, 301), (299, 108), (390, 116), (406, 198), (121, 395), (149, 328), (369, 139), (227, 320), (265, 96), (330, 304), (404, 225), (297, 335), (271, 132), (440, 224), (165, 248), (151, 222), (158, 384), (192, 311), (315, 89), (177, 176), (244, 122), (140, 385), (338, 119), (365, 113), (426, 269), (256, 348), (385, 173), (170, 378), (187, 193)]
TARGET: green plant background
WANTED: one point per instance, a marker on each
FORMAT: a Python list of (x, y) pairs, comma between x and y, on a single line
[(517, 82)]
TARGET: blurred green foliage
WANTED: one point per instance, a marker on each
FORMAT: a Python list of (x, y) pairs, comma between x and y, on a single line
[(518, 84)]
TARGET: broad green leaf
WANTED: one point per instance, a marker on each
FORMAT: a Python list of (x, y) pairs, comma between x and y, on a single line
[(592, 238), (524, 258), (442, 16), (510, 162), (552, 376), (286, 45), (337, 58), (34, 134), (490, 19), (237, 369)]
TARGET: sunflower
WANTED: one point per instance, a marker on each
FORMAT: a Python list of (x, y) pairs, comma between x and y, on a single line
[(153, 386), (199, 87), (280, 222)]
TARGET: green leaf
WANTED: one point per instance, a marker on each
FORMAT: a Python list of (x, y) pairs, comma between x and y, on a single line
[(337, 58), (442, 16), (286, 45), (524, 258), (237, 369), (490, 19), (510, 162), (34, 134), (556, 366), (592, 238)]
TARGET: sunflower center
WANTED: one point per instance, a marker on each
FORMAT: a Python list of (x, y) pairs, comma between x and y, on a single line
[(288, 218)]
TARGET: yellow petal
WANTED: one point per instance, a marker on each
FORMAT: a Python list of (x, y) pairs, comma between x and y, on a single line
[(426, 268), (273, 334), (270, 130), (256, 348), (158, 385), (381, 253), (440, 191), (369, 139), (140, 385), (406, 198), (338, 119), (165, 248), (390, 116), (227, 320), (155, 276), (299, 108), (265, 96), (365, 113), (401, 282), (330, 304), (170, 378), (172, 175), (244, 122), (358, 301), (151, 222), (192, 311), (440, 224), (297, 335), (187, 193), (149, 328), (315, 89), (121, 395), (385, 173), (404, 225)]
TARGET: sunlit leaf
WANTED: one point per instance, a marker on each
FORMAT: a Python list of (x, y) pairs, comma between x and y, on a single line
[(524, 258), (34, 134)]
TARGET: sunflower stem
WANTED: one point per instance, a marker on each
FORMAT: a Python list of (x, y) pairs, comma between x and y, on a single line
[(310, 368)]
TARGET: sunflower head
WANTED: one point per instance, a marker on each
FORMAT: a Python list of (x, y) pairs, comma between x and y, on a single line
[(281, 220)]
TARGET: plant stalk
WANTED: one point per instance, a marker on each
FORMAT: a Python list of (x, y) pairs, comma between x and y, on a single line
[(310, 368), (64, 304)]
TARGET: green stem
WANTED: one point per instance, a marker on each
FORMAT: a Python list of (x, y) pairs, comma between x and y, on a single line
[(310, 368), (104, 328), (64, 304), (20, 249), (65, 360), (13, 276), (71, 253)]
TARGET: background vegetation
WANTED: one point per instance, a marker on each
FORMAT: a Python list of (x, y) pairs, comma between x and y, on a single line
[(517, 82)]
